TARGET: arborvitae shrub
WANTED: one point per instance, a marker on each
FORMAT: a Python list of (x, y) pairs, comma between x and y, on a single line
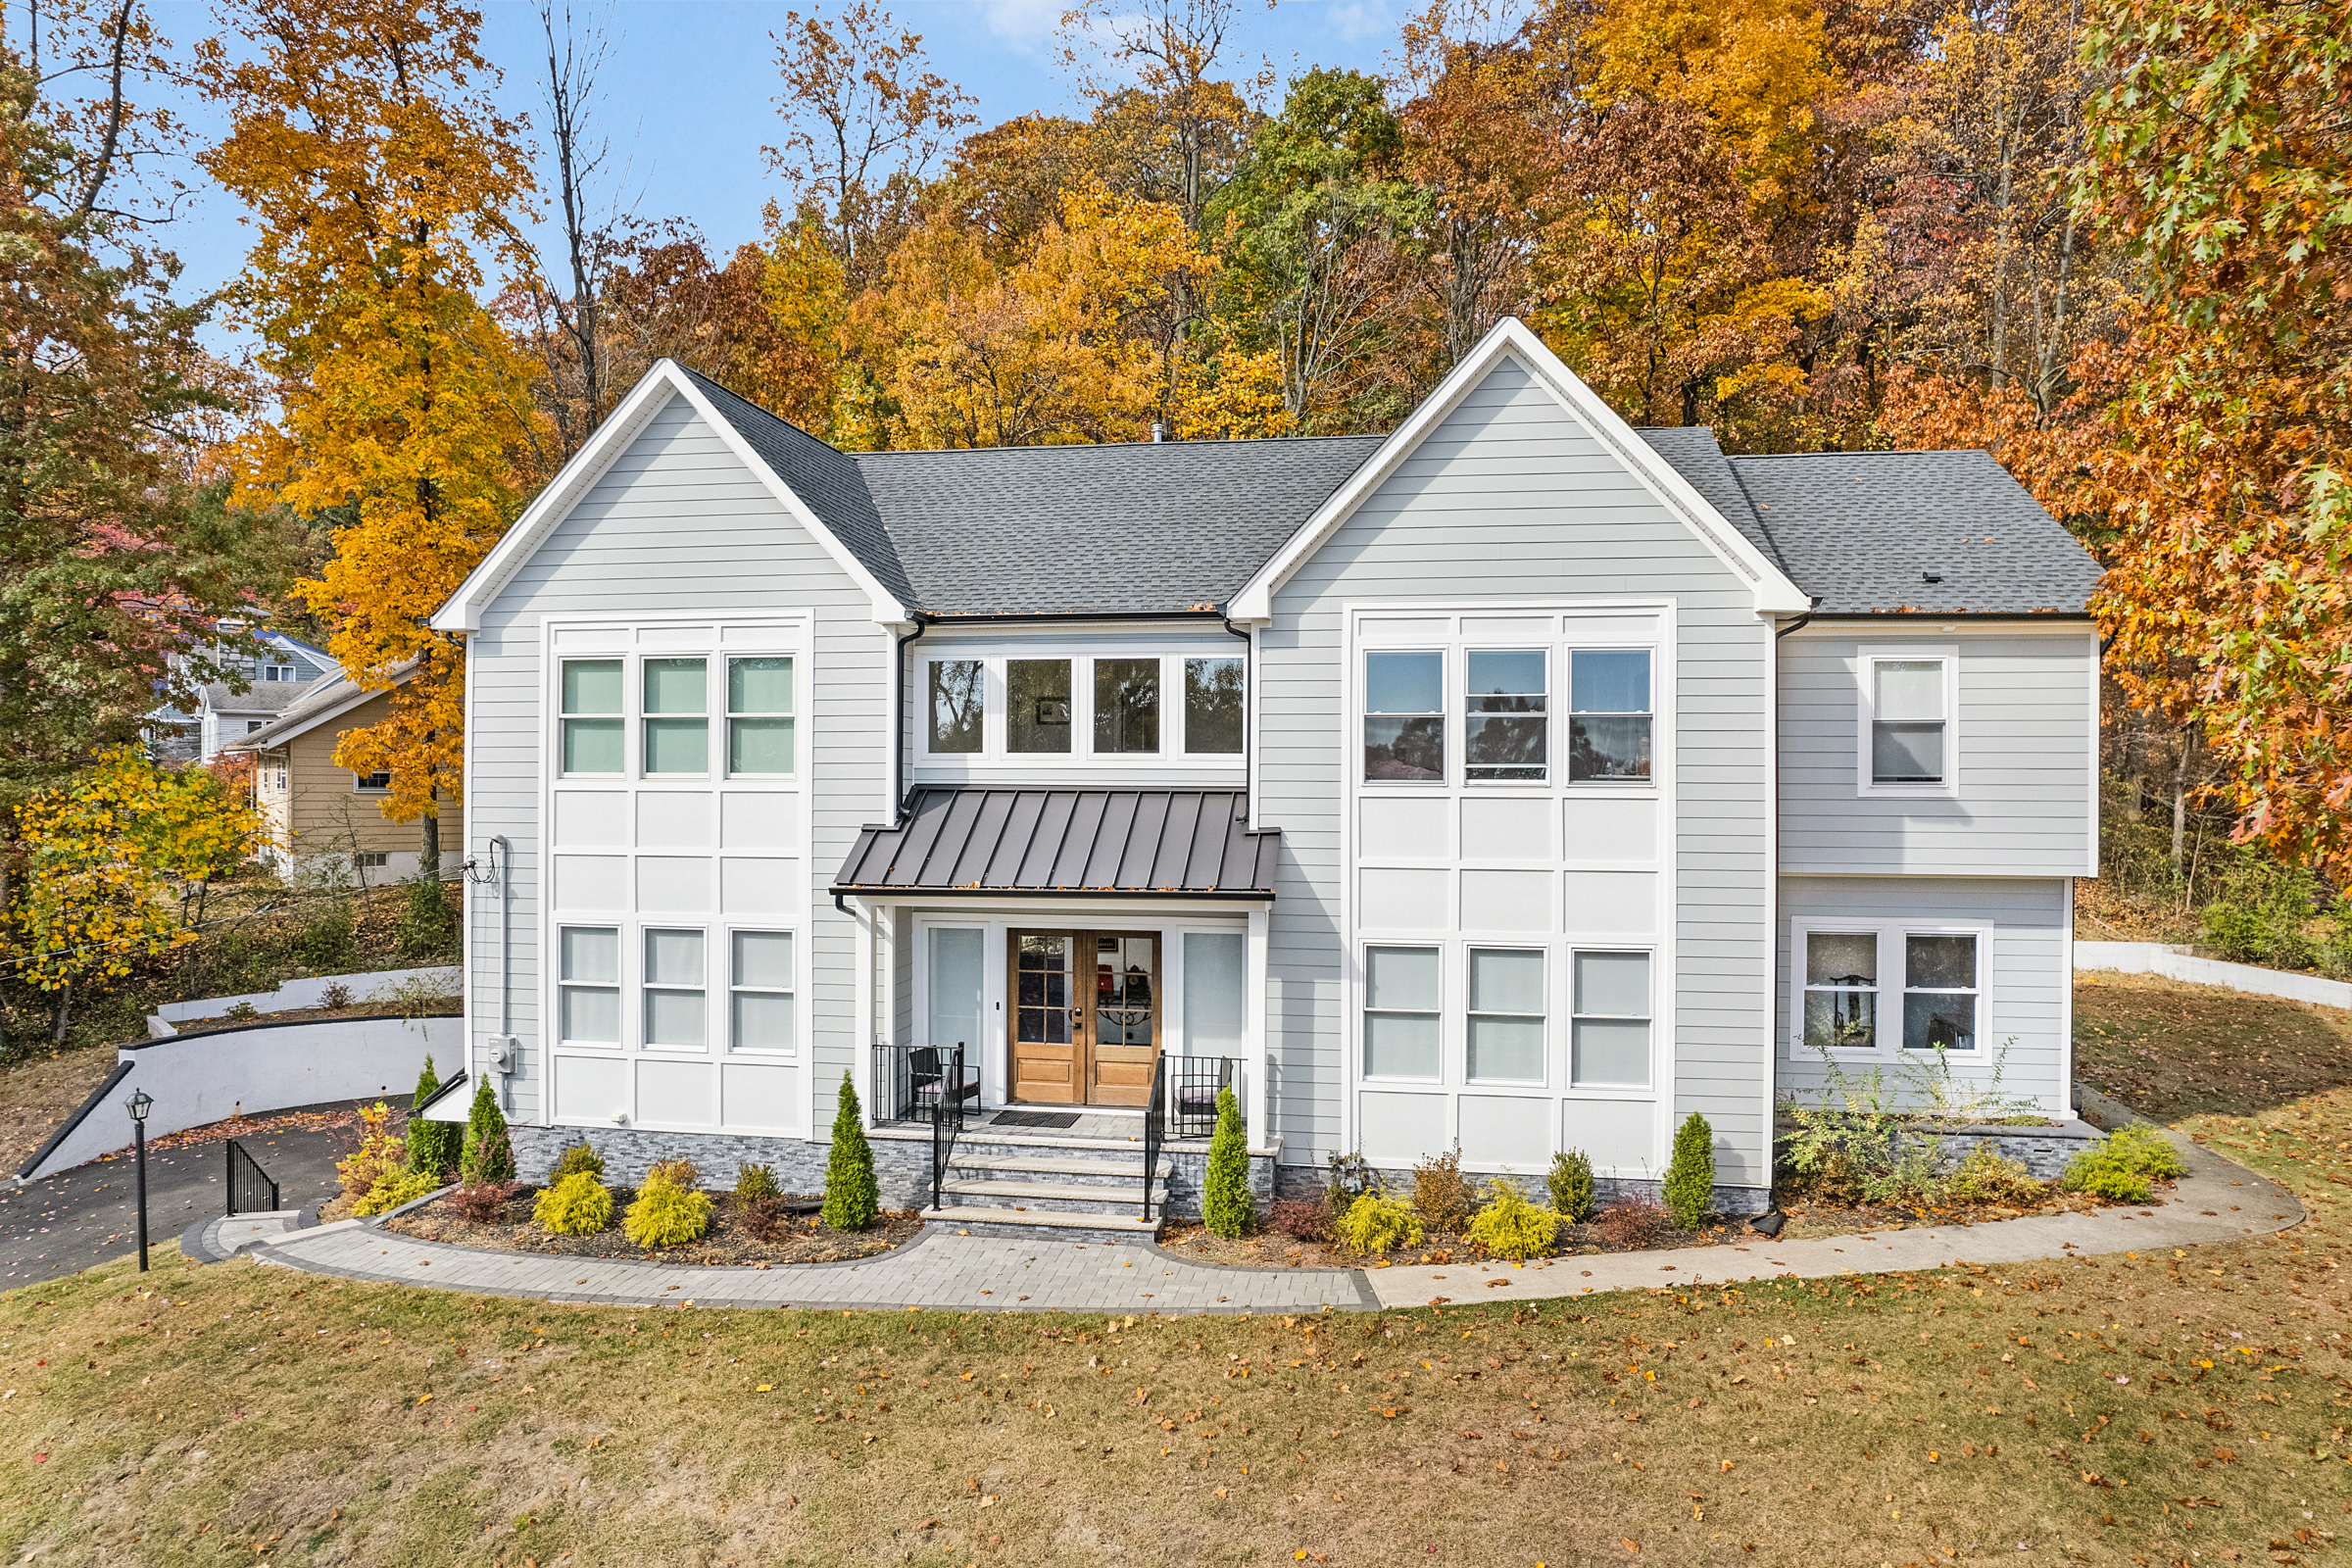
[(576, 1159), (754, 1182), (432, 1145), (488, 1157), (852, 1201), (1690, 1185), (1227, 1206), (1510, 1226), (575, 1205), (1571, 1183)]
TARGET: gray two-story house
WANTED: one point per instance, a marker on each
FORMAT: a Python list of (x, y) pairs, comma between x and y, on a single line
[(1517, 782)]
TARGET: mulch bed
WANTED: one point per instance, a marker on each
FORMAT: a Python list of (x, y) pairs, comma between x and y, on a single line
[(803, 1240), (1807, 1219)]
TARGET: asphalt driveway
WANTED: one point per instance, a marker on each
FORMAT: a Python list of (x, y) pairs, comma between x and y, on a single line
[(91, 1214)]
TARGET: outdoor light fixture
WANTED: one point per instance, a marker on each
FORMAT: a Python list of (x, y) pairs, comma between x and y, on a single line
[(1768, 1224), (139, 1105)]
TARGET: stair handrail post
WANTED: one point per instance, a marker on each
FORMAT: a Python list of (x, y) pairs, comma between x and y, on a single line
[(1154, 1130)]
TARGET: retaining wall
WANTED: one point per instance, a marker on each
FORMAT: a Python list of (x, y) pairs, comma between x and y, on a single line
[(295, 995), (2180, 963)]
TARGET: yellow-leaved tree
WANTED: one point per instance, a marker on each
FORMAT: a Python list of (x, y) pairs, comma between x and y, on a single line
[(381, 177)]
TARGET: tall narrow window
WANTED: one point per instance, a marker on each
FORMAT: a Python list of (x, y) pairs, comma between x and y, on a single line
[(1213, 705), (677, 716), (1610, 713), (588, 990), (673, 988), (592, 718), (1506, 1015), (1213, 989), (1939, 992), (1503, 736), (1405, 717), (1401, 1012), (1841, 990), (760, 733), (957, 962), (759, 995), (956, 689), (1907, 721), (1126, 704), (1037, 705), (1611, 1042)]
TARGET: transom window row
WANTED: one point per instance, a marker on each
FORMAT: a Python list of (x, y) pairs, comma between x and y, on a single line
[(1504, 716), (673, 704), (1506, 1017), (1111, 706), (675, 980)]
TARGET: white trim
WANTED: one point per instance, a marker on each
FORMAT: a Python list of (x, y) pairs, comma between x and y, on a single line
[(1866, 657), (2066, 1001), (2090, 729), (464, 610), (1774, 593), (995, 761), (1892, 981)]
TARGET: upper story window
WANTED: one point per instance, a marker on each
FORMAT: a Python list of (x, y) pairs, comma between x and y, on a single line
[(279, 673), (1404, 716), (1123, 706), (1610, 713), (756, 697), (1503, 734), (1905, 705)]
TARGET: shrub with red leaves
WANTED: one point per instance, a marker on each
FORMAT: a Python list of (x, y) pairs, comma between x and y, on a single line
[(1303, 1217), (481, 1203)]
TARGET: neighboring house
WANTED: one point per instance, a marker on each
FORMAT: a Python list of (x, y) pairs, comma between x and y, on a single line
[(1519, 780), (319, 818), (276, 673)]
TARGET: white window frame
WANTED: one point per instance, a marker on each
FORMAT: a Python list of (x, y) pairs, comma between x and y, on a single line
[(1551, 654), (1894, 983), (721, 673), (1649, 1085), (724, 964), (1179, 663), (360, 784), (1452, 730), (995, 754), (1867, 658), (1445, 951), (644, 990), (622, 936), (1542, 1018)]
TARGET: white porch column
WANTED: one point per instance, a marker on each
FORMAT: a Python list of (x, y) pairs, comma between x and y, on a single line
[(862, 1016), (1255, 1047)]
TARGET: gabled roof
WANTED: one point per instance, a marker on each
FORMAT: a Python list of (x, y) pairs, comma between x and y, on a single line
[(1193, 843), (1154, 528), (323, 703), (1864, 531), (261, 696)]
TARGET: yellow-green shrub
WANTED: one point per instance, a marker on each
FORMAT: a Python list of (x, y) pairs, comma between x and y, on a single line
[(1510, 1226), (576, 1205), (1376, 1222), (666, 1215), (2123, 1167), (395, 1188)]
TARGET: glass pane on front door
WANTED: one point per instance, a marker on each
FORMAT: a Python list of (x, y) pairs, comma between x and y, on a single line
[(1124, 997), (1043, 981)]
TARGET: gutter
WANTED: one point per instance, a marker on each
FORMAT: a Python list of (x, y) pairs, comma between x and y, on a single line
[(900, 715)]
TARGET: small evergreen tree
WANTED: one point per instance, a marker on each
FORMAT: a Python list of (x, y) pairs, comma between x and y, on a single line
[(488, 1154), (1226, 1206), (852, 1200), (1571, 1184), (432, 1145), (1691, 1173)]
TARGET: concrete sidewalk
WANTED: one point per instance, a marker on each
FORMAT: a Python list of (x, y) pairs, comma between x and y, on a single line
[(2216, 1201)]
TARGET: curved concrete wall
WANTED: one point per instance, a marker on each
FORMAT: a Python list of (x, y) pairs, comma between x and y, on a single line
[(200, 1078)]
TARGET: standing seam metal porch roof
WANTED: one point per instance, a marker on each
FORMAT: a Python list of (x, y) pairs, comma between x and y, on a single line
[(1049, 842)]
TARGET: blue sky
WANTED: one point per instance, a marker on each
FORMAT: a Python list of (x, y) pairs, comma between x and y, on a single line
[(688, 91)]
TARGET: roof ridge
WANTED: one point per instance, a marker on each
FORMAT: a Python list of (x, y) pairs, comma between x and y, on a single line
[(1866, 451), (1109, 446)]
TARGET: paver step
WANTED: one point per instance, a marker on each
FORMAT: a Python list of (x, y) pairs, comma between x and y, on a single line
[(1121, 1169), (980, 1222), (1049, 1197)]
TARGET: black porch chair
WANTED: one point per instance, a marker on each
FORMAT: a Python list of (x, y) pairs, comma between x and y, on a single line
[(1198, 1086), (930, 1066)]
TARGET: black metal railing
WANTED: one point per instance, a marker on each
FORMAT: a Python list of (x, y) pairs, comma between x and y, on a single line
[(250, 1188), (907, 1080), (1156, 1130), (951, 1089), (1193, 1085)]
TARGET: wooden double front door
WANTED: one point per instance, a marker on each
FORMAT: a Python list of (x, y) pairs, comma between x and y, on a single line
[(1085, 1017)]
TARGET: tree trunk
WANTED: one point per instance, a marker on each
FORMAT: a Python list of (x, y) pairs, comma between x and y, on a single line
[(2188, 752), (59, 1011), (428, 845)]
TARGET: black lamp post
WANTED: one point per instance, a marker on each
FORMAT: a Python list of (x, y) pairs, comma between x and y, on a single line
[(139, 1105)]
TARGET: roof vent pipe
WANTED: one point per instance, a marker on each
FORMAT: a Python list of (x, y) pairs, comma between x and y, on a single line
[(1159, 433)]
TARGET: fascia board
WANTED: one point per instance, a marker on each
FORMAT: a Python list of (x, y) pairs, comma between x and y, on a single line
[(269, 735), (665, 380), (1774, 593)]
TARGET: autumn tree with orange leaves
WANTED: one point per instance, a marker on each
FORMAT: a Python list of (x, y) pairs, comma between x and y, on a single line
[(379, 177)]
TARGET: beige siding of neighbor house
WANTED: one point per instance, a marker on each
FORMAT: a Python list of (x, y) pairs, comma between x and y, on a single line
[(317, 810)]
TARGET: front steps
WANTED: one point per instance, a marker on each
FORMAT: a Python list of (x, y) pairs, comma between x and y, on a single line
[(1041, 1183)]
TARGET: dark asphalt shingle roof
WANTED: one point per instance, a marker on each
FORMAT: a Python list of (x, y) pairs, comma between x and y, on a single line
[(1066, 530), (1863, 530), (1691, 451), (1174, 843)]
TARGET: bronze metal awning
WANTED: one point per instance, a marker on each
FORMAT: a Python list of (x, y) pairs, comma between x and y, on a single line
[(1175, 843)]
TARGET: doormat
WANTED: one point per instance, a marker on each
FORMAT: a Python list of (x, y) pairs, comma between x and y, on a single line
[(1055, 1120)]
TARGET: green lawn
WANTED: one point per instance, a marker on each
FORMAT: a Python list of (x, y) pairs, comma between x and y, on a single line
[(1903, 1419)]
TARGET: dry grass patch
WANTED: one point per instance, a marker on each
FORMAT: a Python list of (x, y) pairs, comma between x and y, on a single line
[(2170, 1050), (37, 1095)]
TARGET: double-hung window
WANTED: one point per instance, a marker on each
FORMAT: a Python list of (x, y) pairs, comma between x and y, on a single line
[(760, 991), (595, 733), (673, 988), (677, 716), (1402, 1000), (1939, 992), (1608, 715), (1876, 986), (1906, 703), (1841, 990), (760, 731), (1506, 1037), (1504, 739), (1611, 1028), (1405, 717), (588, 988)]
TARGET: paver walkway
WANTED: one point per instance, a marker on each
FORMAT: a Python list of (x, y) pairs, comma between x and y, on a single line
[(2215, 1201)]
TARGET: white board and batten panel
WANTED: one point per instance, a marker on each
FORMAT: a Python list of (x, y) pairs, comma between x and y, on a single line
[(1484, 885), (1513, 516), (680, 958)]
